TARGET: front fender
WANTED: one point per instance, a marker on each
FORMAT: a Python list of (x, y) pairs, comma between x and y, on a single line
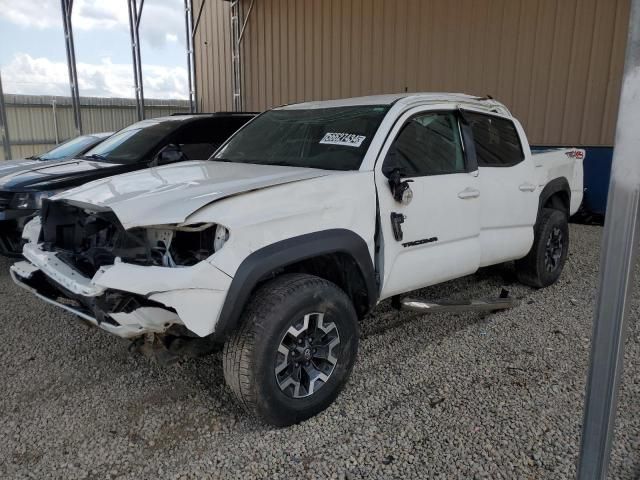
[(260, 264)]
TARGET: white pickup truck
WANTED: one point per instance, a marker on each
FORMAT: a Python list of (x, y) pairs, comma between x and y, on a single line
[(298, 226)]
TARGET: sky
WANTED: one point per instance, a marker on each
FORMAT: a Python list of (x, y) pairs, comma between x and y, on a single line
[(33, 57)]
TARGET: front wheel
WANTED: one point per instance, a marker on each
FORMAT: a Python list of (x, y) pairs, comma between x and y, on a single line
[(294, 350), (544, 263)]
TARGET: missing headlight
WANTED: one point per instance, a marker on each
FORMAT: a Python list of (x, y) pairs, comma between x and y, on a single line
[(194, 244)]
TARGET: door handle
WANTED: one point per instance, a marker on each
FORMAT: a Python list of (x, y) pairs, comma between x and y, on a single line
[(527, 187), (469, 193)]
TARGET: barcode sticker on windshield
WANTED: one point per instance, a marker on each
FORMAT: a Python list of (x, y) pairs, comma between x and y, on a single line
[(346, 139)]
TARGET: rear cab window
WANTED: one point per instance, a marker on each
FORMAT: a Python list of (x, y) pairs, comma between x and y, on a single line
[(496, 140)]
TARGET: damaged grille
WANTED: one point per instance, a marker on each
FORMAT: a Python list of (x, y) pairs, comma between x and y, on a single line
[(87, 240)]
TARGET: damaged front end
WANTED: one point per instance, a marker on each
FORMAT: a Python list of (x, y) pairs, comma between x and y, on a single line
[(127, 282), (90, 239)]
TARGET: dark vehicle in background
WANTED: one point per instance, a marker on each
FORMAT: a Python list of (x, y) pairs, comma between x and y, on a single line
[(149, 143), (71, 148)]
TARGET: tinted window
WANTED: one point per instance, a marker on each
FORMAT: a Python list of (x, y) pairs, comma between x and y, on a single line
[(328, 138), (497, 141), (71, 148), (199, 139), (427, 145)]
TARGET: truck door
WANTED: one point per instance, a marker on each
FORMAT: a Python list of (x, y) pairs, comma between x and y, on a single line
[(434, 237), (509, 202)]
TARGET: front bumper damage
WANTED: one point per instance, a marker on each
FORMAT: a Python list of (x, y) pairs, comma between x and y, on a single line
[(128, 300)]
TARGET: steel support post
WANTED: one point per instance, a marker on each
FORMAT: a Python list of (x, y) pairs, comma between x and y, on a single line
[(189, 36), (618, 257), (67, 8), (54, 112), (4, 128), (192, 28), (135, 13), (235, 56)]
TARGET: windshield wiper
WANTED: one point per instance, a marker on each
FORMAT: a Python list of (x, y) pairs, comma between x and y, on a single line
[(94, 156), (34, 157)]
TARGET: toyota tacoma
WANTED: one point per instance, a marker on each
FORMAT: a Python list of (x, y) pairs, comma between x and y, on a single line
[(299, 225)]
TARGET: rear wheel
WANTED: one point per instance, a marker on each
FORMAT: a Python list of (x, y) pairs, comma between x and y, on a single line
[(294, 350), (544, 263)]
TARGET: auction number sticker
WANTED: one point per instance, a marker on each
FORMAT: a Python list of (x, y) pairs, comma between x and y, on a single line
[(345, 139)]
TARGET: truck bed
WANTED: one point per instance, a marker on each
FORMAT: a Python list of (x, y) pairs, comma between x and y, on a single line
[(555, 163)]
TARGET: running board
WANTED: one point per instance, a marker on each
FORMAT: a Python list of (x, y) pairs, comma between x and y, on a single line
[(474, 305)]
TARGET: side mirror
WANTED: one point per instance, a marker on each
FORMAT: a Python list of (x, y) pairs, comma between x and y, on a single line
[(400, 188), (169, 154)]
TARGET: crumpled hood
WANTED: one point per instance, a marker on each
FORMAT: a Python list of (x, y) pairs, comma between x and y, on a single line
[(34, 175), (170, 194)]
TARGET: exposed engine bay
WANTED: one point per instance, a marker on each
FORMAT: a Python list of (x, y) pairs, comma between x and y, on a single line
[(87, 239)]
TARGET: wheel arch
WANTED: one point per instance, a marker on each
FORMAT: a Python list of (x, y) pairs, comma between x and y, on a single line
[(557, 195), (338, 255)]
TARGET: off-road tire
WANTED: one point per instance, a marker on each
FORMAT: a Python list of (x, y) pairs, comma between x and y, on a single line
[(533, 270), (251, 353)]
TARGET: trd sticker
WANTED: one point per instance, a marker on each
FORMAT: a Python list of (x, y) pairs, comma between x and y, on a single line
[(577, 154), (344, 139)]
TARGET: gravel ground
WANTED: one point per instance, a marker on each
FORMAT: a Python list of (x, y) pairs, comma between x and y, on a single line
[(441, 396)]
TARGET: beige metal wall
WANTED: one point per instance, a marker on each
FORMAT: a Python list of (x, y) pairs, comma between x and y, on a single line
[(557, 64), (31, 124), (213, 56)]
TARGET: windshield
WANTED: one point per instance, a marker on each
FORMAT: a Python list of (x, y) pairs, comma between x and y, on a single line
[(134, 143), (70, 148), (329, 138)]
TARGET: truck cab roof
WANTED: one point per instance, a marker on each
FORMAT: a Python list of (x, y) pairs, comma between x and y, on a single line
[(408, 99)]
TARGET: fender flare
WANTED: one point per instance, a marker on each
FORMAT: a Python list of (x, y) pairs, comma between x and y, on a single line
[(556, 185), (261, 263)]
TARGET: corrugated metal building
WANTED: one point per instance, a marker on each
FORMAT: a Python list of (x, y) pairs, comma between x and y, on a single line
[(557, 64)]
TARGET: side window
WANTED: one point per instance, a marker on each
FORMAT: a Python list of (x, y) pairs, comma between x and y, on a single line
[(428, 144), (199, 139), (497, 141)]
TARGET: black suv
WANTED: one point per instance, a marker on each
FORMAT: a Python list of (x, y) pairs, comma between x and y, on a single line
[(144, 144)]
